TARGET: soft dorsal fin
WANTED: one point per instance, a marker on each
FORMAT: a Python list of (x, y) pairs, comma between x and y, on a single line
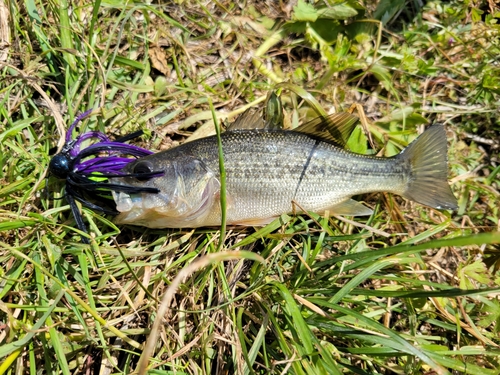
[(250, 119), (334, 128)]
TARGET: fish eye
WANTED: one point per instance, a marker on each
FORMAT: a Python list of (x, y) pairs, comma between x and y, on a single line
[(143, 167), (59, 166)]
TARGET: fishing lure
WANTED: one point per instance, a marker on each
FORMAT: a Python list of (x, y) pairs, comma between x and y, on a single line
[(86, 170)]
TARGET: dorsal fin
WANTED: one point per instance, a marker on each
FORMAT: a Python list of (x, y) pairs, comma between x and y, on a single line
[(334, 128), (250, 119)]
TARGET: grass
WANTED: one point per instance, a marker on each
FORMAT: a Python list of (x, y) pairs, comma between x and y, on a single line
[(410, 290)]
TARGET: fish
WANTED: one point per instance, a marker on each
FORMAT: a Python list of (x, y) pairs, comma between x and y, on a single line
[(272, 171)]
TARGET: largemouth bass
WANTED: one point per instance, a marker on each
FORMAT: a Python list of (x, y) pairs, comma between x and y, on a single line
[(272, 171)]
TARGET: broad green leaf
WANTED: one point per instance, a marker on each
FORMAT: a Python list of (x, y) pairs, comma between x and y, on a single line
[(492, 310), (476, 271), (338, 12), (357, 141), (387, 9), (326, 29), (304, 12)]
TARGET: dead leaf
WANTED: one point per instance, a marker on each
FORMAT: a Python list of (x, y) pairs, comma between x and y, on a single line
[(4, 31), (159, 59)]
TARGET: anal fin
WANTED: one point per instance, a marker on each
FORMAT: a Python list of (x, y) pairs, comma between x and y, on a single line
[(260, 222), (351, 208)]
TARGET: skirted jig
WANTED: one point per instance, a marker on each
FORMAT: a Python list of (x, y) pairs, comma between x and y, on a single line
[(86, 171)]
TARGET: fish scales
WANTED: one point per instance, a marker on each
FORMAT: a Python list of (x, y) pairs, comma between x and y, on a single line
[(267, 171)]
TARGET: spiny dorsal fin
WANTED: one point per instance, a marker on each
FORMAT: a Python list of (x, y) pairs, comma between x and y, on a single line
[(250, 119), (334, 128)]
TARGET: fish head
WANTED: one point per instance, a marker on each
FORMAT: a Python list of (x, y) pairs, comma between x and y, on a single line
[(187, 191)]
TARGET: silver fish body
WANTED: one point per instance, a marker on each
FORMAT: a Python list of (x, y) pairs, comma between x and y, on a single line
[(271, 172)]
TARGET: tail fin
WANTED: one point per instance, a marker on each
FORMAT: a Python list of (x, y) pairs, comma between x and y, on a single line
[(428, 178)]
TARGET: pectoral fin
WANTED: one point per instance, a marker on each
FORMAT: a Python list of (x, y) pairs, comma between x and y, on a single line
[(351, 208)]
